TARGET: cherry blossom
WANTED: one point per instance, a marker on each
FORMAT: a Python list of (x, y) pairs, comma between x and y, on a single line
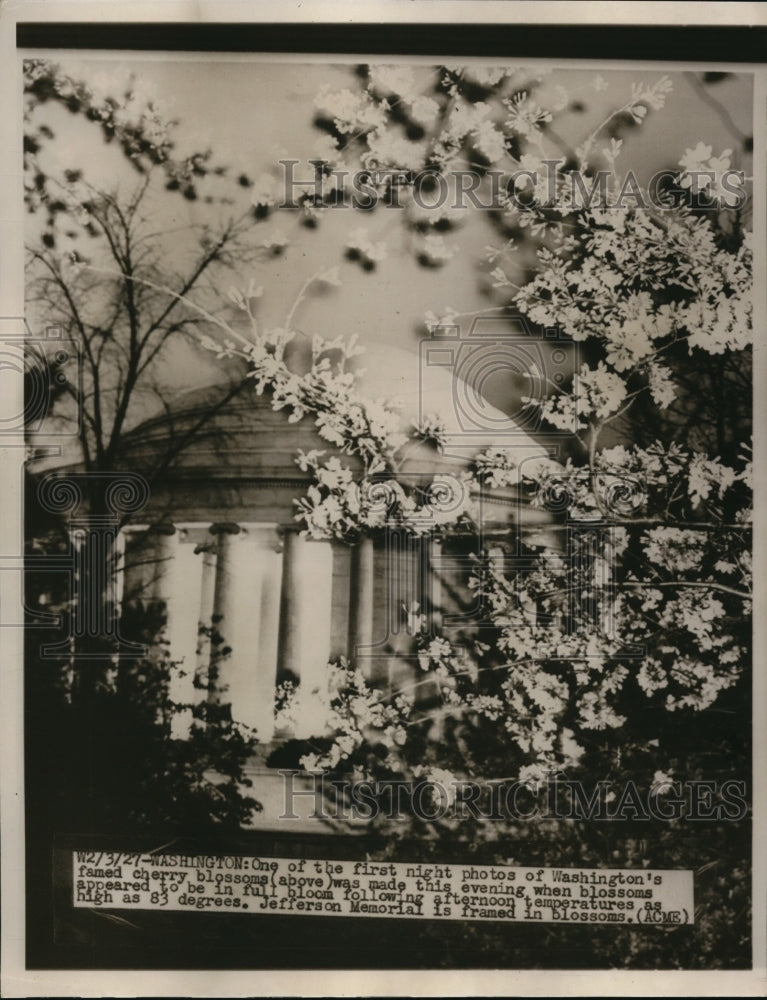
[(646, 594)]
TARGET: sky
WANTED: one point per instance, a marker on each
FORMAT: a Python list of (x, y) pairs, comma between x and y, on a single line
[(253, 113)]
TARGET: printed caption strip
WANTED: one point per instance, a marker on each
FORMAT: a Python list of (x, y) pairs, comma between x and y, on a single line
[(300, 886)]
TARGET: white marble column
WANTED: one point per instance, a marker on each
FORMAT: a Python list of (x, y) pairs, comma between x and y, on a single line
[(246, 609), (175, 580), (397, 618), (361, 602), (183, 607), (237, 629), (305, 622), (207, 591), (163, 565), (164, 542), (429, 693), (268, 555)]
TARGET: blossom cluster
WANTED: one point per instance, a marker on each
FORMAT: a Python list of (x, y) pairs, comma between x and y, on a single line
[(357, 713), (131, 115), (552, 655), (645, 599), (637, 283)]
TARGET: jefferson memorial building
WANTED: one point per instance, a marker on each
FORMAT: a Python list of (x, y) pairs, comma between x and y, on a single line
[(218, 542)]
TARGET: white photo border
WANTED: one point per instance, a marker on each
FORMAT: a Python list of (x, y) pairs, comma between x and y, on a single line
[(18, 981)]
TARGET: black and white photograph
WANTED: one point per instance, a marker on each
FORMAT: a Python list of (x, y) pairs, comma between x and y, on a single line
[(385, 479)]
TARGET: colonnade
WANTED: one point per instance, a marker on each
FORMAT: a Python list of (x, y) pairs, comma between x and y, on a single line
[(284, 605), (269, 594)]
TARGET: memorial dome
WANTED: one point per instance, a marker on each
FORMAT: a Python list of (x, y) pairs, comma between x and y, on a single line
[(232, 452)]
